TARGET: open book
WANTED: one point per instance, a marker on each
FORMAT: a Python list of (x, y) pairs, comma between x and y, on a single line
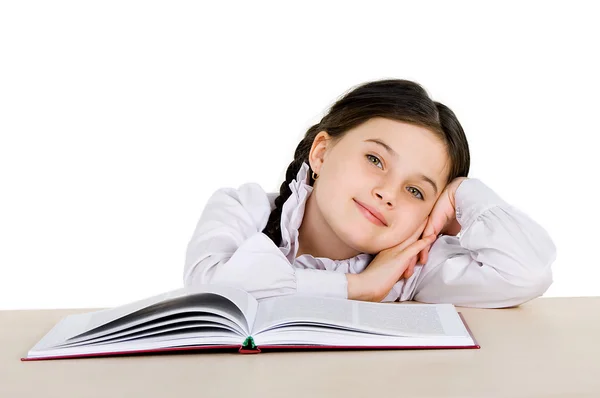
[(221, 317)]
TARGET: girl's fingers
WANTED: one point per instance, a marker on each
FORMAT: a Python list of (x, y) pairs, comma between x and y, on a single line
[(421, 256), (428, 224), (411, 268), (429, 229), (426, 254), (417, 246)]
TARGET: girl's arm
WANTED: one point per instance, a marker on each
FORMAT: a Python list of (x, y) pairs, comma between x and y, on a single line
[(228, 247), (501, 258)]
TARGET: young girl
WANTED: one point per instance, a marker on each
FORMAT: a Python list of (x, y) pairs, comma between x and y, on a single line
[(376, 206)]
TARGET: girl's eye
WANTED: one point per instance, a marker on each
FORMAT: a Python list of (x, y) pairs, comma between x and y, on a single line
[(418, 192), (375, 160)]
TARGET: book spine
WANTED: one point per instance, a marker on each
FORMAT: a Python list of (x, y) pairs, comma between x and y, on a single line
[(248, 346)]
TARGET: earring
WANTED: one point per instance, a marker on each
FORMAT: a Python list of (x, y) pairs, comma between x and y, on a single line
[(314, 176)]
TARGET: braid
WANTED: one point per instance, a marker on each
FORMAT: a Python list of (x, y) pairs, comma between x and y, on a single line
[(273, 227)]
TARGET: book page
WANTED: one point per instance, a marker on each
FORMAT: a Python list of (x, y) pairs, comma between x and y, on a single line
[(245, 302), (178, 321), (377, 318), (151, 343), (104, 322), (413, 319), (284, 309)]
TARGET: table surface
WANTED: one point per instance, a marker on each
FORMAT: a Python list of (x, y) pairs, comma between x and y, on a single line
[(548, 347)]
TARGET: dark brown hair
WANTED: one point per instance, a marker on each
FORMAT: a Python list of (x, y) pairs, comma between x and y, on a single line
[(401, 100)]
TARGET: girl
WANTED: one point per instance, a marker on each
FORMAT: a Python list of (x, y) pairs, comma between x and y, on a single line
[(376, 206)]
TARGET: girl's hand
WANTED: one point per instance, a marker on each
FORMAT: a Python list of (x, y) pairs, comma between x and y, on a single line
[(442, 220), (376, 281)]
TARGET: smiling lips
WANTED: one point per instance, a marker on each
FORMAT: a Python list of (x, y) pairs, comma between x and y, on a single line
[(371, 214)]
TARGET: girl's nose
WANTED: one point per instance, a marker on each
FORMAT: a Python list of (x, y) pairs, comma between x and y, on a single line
[(384, 198)]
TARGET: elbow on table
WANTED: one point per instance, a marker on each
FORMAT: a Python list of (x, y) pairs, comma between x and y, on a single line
[(528, 287), (535, 281), (537, 285), (539, 279)]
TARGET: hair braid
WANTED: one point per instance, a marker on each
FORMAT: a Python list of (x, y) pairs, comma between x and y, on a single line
[(273, 227)]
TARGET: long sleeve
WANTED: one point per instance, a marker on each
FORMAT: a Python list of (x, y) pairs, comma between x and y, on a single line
[(501, 258), (228, 247)]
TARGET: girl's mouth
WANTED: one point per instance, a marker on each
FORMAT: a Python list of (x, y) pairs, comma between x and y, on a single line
[(368, 215)]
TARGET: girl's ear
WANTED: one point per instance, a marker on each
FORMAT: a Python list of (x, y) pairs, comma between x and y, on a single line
[(318, 151)]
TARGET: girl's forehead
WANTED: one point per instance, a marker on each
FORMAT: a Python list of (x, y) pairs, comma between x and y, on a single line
[(391, 128), (396, 136)]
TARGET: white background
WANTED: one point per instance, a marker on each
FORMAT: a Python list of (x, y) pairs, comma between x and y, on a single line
[(118, 119)]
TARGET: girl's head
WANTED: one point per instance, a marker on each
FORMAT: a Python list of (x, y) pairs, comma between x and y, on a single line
[(386, 145)]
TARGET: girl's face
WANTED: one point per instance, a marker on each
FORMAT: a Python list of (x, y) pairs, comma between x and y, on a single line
[(388, 166)]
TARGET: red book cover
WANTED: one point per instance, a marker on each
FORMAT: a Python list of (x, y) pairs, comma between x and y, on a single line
[(249, 348)]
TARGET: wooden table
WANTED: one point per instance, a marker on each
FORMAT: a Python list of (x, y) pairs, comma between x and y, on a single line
[(549, 347)]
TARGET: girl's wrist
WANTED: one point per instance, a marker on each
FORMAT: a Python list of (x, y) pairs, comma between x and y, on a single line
[(356, 289)]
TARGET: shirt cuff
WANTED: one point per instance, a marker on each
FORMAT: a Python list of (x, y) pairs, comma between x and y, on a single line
[(323, 283), (472, 198)]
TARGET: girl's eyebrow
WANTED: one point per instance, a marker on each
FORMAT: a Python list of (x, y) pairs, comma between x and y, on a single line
[(422, 177), (383, 144)]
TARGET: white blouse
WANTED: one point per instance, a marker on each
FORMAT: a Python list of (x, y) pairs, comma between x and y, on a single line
[(501, 257)]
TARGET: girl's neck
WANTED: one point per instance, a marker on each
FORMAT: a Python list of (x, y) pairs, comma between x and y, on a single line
[(316, 238)]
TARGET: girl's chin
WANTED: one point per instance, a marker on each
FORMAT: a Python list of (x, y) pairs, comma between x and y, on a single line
[(358, 234), (362, 244)]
